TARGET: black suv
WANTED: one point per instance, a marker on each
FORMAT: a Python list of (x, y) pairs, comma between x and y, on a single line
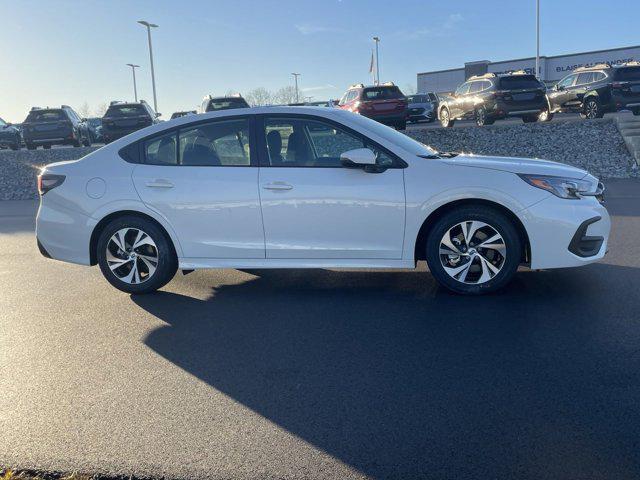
[(55, 126), (9, 136), (122, 118), (490, 97), (213, 104), (593, 91)]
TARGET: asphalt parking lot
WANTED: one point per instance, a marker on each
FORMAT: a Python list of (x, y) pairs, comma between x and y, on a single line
[(322, 374)]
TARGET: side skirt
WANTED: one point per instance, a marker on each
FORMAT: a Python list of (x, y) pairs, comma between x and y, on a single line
[(202, 263)]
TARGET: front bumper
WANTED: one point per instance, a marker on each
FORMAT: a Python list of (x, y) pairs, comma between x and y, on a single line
[(566, 233)]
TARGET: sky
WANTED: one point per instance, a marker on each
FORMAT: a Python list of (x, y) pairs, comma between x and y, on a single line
[(70, 52)]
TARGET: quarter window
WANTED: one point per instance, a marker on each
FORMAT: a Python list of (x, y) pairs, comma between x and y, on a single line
[(162, 150), (311, 143)]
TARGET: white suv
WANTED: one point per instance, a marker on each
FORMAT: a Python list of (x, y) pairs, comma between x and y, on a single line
[(304, 187)]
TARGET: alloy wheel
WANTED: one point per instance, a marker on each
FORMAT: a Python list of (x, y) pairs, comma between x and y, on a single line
[(480, 116), (444, 117), (132, 255), (592, 110), (472, 252)]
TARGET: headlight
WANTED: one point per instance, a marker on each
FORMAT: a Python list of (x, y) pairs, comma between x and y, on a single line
[(563, 187)]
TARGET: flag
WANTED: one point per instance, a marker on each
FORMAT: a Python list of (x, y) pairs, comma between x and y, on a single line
[(372, 67)]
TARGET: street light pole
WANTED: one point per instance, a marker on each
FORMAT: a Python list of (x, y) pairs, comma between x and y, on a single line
[(153, 75), (377, 40), (537, 38), (295, 76), (135, 88)]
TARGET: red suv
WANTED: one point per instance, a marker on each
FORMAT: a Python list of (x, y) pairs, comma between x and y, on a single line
[(384, 103)]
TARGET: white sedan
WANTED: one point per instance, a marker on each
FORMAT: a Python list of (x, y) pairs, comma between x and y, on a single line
[(304, 187)]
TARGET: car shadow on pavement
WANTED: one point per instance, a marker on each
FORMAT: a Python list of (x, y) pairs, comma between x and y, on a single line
[(399, 379)]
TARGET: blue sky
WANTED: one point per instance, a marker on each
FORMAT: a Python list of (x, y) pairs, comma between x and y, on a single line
[(67, 51)]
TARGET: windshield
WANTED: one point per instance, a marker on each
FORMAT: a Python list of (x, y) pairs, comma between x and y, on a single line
[(125, 111), (518, 82), (226, 104), (391, 135), (628, 73), (418, 99), (381, 93), (45, 116)]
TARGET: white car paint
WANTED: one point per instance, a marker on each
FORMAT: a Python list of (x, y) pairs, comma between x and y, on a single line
[(267, 217)]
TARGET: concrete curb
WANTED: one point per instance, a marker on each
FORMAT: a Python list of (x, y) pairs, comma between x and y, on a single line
[(629, 127)]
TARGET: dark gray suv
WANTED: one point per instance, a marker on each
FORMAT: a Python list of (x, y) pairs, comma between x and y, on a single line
[(55, 126)]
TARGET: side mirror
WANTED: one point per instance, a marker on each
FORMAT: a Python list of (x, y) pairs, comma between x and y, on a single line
[(559, 88), (358, 158)]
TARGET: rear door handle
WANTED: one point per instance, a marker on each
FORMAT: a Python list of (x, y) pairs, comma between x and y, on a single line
[(160, 183), (277, 186)]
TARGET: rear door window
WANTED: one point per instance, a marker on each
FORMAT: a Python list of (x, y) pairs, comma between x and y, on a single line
[(162, 150), (221, 144), (584, 78)]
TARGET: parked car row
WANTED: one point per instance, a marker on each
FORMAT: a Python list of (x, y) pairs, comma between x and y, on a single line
[(590, 91)]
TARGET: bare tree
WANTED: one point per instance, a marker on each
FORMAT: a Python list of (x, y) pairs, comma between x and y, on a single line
[(84, 110), (259, 96), (285, 95), (101, 109)]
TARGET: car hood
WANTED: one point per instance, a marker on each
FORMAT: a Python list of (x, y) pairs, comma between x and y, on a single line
[(518, 165)]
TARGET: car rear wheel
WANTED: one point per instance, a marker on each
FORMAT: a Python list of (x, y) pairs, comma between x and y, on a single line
[(530, 119), (473, 250), (445, 118), (135, 255), (592, 109), (482, 118), (402, 125)]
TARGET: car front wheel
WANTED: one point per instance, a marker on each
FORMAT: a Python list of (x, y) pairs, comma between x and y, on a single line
[(473, 250), (135, 255)]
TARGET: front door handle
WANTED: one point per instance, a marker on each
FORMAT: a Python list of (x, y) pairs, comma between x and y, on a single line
[(160, 183), (277, 186)]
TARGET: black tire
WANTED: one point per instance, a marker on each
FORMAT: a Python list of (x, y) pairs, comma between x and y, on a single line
[(31, 146), (481, 116), (166, 266), (46, 147), (496, 221), (445, 118), (402, 125), (77, 143), (530, 119), (87, 141), (592, 109), (636, 112)]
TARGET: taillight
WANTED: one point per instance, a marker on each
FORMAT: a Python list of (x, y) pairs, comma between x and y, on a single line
[(49, 181)]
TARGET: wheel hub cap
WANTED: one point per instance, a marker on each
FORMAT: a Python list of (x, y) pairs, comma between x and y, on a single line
[(472, 252), (132, 255)]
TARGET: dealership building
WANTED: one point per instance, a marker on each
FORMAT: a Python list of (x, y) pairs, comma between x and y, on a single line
[(551, 69)]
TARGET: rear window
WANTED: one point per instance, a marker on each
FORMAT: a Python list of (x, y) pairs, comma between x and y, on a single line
[(381, 93), (418, 99), (126, 111), (46, 116), (226, 104), (518, 82), (628, 73)]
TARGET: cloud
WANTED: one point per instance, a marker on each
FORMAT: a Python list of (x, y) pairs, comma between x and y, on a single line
[(445, 29), (310, 28)]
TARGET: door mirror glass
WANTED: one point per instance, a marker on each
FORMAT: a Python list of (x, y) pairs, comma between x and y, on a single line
[(559, 88), (358, 157)]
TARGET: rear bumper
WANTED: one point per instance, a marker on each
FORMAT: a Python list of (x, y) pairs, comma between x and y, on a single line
[(63, 234), (566, 233), (504, 109)]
